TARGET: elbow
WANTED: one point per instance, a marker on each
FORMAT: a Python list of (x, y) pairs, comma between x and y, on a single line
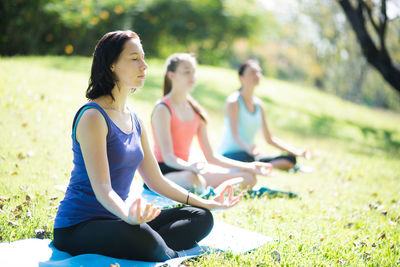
[(211, 158), (102, 192), (168, 159), (270, 140)]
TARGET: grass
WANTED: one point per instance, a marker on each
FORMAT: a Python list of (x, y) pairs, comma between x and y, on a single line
[(348, 212)]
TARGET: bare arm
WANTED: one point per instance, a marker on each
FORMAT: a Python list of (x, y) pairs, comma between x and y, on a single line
[(91, 133), (216, 159), (161, 122), (152, 176), (272, 140)]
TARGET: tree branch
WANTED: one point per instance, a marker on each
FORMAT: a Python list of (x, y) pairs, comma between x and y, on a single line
[(378, 58), (368, 9), (383, 21)]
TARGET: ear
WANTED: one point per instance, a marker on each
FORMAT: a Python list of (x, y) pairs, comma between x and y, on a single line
[(112, 68), (170, 75)]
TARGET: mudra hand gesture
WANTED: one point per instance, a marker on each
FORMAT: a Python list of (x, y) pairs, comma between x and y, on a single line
[(225, 199), (262, 168), (138, 214), (307, 154)]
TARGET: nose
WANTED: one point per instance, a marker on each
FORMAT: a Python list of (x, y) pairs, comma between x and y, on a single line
[(144, 65)]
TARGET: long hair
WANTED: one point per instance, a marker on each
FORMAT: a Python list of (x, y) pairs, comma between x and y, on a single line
[(172, 64), (109, 47)]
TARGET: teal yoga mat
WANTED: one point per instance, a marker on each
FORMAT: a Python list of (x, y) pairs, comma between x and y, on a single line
[(42, 253)]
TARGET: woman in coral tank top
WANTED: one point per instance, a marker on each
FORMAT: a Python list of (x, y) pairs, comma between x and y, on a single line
[(176, 119)]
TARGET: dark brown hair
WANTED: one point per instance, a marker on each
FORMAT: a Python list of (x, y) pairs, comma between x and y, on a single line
[(107, 51), (172, 64), (246, 64)]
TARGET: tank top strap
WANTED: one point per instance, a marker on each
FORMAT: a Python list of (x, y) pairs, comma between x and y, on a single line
[(165, 101), (135, 121), (85, 107)]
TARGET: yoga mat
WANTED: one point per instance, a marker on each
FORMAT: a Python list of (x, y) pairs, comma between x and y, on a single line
[(149, 196), (42, 253)]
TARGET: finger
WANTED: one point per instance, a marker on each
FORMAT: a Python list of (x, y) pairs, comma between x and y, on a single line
[(237, 199), (153, 212), (139, 210), (230, 196), (226, 189), (157, 212), (234, 203), (132, 208), (146, 210)]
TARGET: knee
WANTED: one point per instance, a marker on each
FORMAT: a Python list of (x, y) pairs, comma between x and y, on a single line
[(198, 182), (250, 181), (205, 219), (145, 244), (292, 159)]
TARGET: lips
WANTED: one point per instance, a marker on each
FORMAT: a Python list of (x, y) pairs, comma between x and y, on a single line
[(142, 76)]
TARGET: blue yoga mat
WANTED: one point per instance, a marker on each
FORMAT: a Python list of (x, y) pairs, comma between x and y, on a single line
[(41, 252)]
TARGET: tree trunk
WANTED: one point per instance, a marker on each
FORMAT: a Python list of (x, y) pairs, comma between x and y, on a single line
[(379, 58)]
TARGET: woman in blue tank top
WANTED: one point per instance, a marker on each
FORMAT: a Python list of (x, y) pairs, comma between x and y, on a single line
[(244, 116), (109, 145)]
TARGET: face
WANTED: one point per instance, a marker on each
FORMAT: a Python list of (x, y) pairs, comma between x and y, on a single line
[(130, 67), (184, 75), (251, 75)]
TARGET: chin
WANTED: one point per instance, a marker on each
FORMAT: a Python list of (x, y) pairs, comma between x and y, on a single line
[(138, 85)]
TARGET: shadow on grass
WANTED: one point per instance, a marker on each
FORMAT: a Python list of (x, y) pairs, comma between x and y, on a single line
[(326, 126)]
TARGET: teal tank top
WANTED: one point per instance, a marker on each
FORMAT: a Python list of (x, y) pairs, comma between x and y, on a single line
[(248, 124)]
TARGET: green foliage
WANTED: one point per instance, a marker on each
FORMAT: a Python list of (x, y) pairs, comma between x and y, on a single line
[(344, 70), (24, 25), (207, 28), (348, 212)]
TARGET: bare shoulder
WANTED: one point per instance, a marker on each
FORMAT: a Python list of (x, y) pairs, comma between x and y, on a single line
[(233, 98), (92, 118), (258, 102), (92, 125), (161, 111)]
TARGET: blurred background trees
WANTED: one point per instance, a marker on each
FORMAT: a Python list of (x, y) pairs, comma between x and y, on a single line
[(305, 41)]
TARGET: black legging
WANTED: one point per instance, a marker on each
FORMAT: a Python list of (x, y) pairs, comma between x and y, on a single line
[(173, 230), (246, 157)]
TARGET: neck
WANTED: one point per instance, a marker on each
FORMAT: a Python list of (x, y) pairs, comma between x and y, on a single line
[(247, 92), (119, 102), (177, 97)]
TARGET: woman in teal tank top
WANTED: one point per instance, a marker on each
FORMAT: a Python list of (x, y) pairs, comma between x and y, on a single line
[(244, 117)]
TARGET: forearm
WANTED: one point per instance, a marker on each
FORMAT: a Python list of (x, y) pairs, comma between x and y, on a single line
[(177, 163), (175, 192), (111, 201), (246, 147), (283, 146), (225, 162)]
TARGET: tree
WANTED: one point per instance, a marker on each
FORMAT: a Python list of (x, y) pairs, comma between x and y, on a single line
[(361, 12)]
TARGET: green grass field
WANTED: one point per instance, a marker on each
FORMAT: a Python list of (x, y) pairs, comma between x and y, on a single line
[(348, 212)]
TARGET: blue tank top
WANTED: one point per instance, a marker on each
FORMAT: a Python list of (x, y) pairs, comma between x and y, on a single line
[(124, 152), (248, 124)]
